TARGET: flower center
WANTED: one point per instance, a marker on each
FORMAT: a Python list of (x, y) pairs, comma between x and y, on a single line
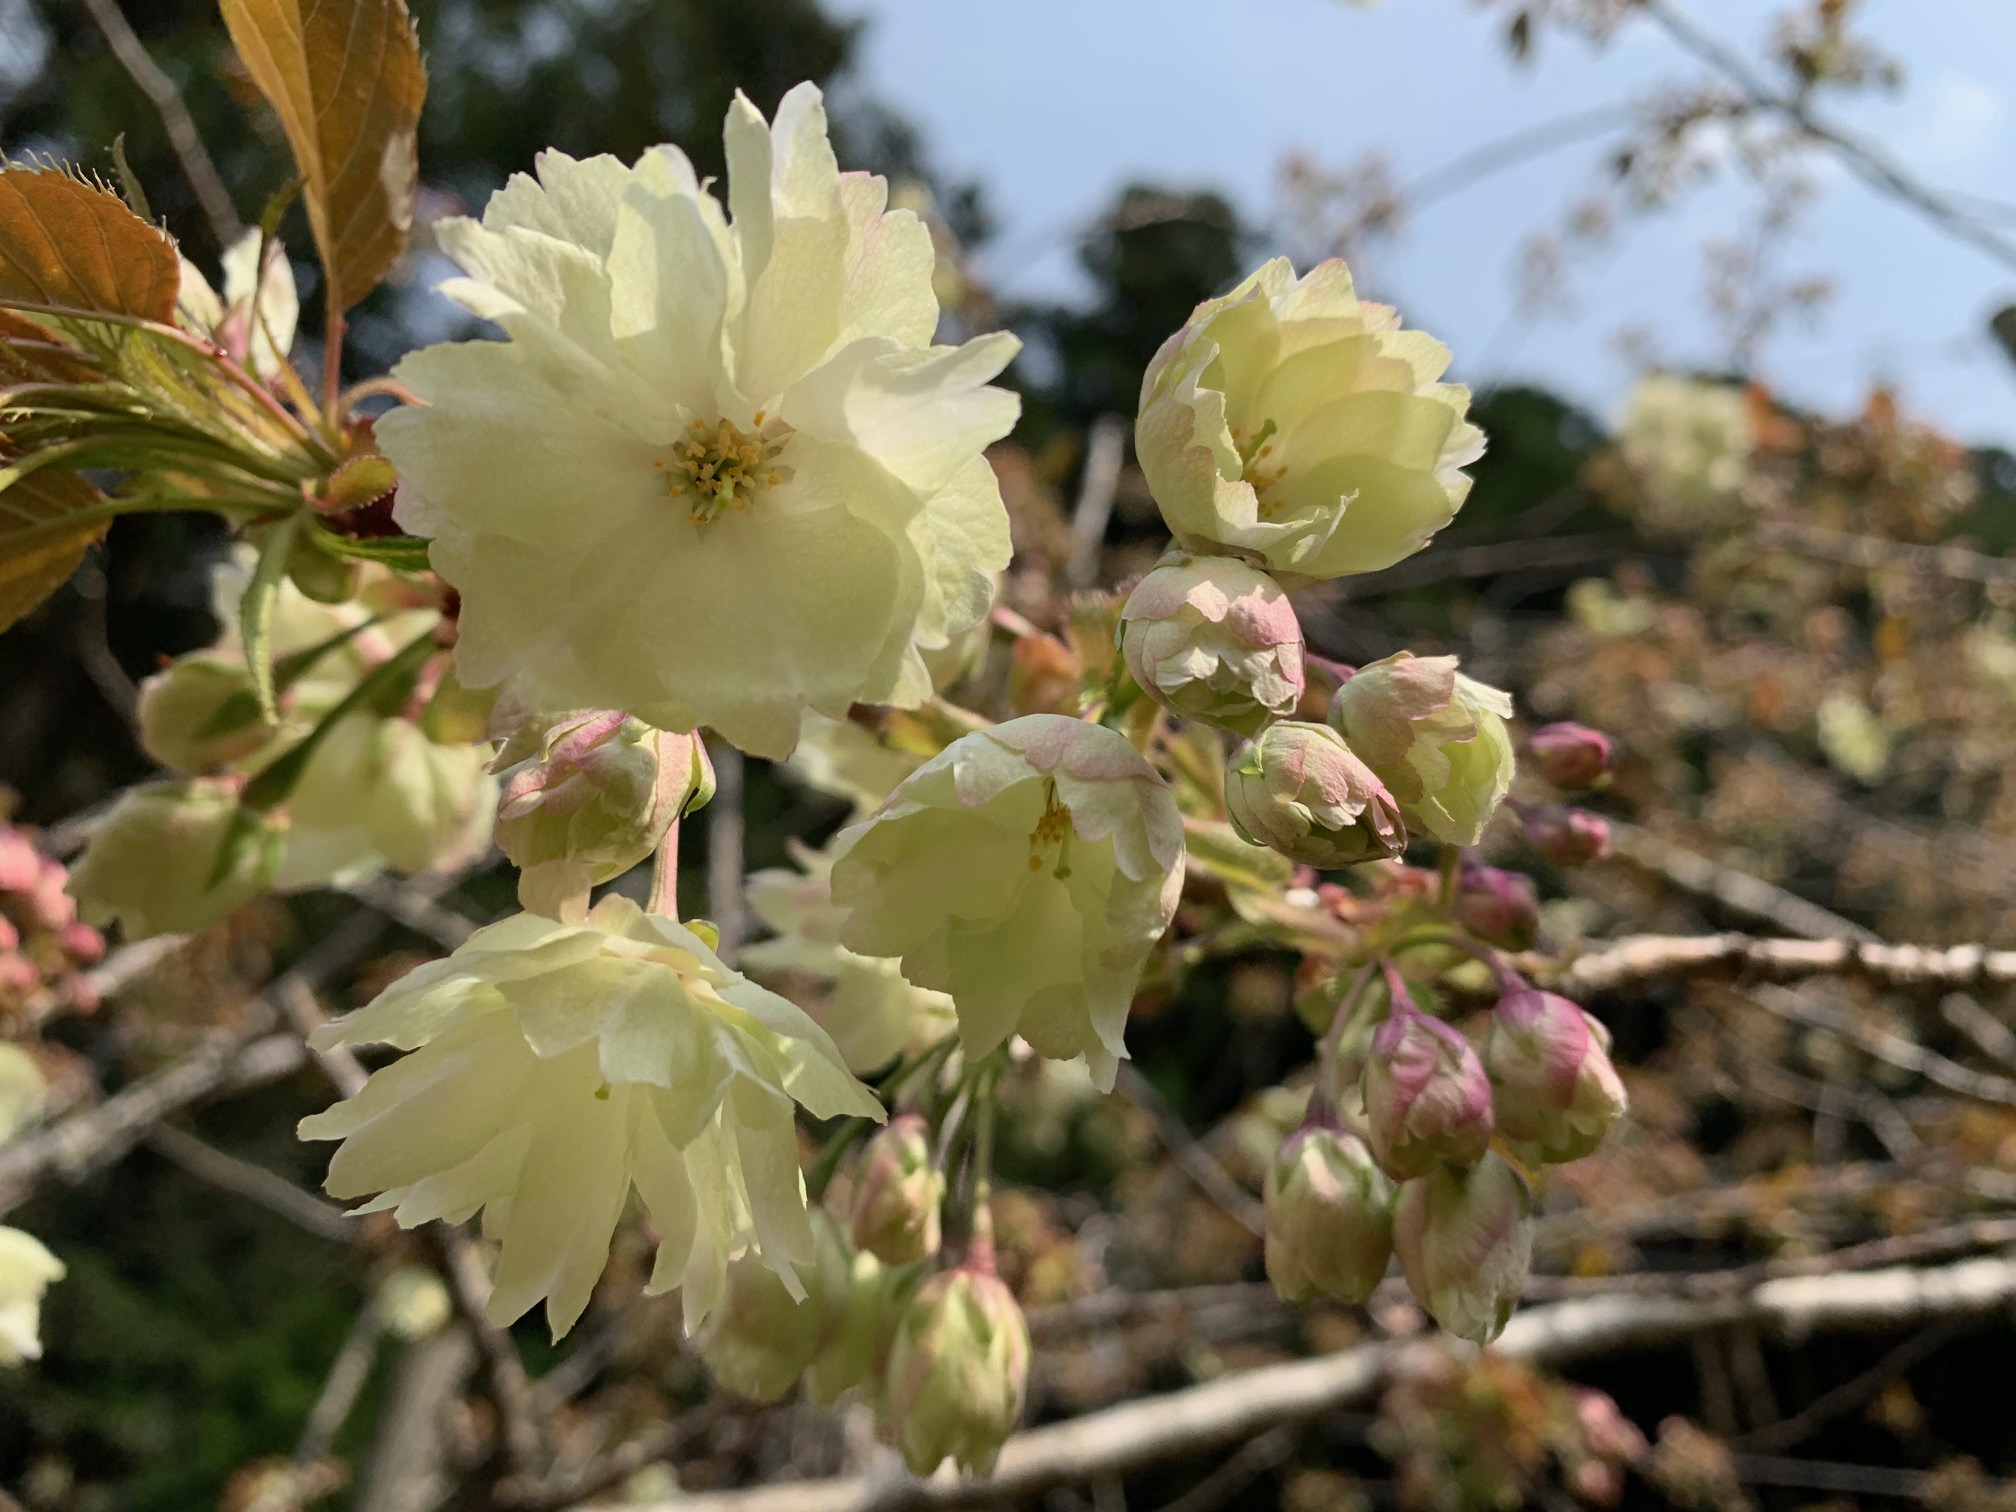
[(1254, 451), (1053, 828), (723, 467)]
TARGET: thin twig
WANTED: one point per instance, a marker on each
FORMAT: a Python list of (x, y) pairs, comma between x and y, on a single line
[(269, 1189), (724, 850), (1736, 892), (1867, 162), (1254, 1459), (1855, 1391), (197, 164), (1190, 1156), (1894, 1049), (342, 1386)]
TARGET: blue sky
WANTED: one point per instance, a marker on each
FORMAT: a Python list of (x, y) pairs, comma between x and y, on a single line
[(1053, 104)]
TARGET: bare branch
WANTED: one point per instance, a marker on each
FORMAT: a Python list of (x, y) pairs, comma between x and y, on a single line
[(197, 165), (1954, 562), (342, 1386), (1248, 1404), (1637, 959), (1099, 480), (1894, 1049), (270, 1190)]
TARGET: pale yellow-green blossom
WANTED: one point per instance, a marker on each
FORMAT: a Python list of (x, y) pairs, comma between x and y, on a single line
[(254, 319), (1028, 870), (718, 474), (26, 1271), (873, 1013), (553, 1068), (175, 858), (22, 1090), (1294, 424), (1689, 442)]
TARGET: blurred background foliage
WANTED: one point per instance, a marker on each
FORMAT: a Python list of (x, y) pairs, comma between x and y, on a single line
[(194, 1331)]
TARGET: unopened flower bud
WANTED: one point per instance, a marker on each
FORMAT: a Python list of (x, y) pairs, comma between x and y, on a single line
[(176, 857), (1563, 836), (898, 1193), (1212, 638), (958, 1371), (1298, 789), (199, 713), (759, 1338), (1499, 907), (1044, 676), (10, 937), (1427, 1099), (1465, 1240), (81, 944), (1436, 738), (593, 799), (50, 905), (1329, 1217), (856, 1352), (1570, 755), (20, 862), (1553, 1084)]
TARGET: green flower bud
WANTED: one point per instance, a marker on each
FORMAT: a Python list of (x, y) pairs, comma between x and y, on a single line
[(760, 1338), (199, 713), (857, 1352), (897, 1196), (958, 1371), (1465, 1240), (1329, 1217), (593, 799), (1300, 790), (1436, 738), (176, 857)]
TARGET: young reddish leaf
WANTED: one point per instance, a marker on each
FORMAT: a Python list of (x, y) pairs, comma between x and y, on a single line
[(346, 79), (69, 243), (30, 572)]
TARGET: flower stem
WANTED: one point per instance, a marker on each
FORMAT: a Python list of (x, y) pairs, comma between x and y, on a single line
[(664, 896)]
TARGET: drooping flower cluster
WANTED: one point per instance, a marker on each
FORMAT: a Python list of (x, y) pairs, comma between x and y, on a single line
[(718, 475), (392, 776)]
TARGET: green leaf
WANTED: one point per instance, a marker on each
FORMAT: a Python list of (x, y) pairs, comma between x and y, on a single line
[(255, 611), (359, 481), (400, 553), (346, 80), (389, 684), (129, 181), (65, 515), (71, 244)]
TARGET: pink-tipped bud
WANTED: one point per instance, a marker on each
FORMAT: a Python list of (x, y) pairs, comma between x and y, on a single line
[(1569, 755), (1564, 836), (589, 796), (1212, 638), (18, 975), (1427, 1099), (50, 905), (898, 1193), (82, 944), (1329, 1217), (1553, 1085), (10, 937), (20, 862), (1299, 790), (1465, 1240), (1499, 907), (958, 1371), (759, 1338)]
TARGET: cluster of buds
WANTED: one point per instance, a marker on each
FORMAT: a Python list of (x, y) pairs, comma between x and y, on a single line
[(941, 1354), (1573, 758), (1441, 1174), (44, 950)]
